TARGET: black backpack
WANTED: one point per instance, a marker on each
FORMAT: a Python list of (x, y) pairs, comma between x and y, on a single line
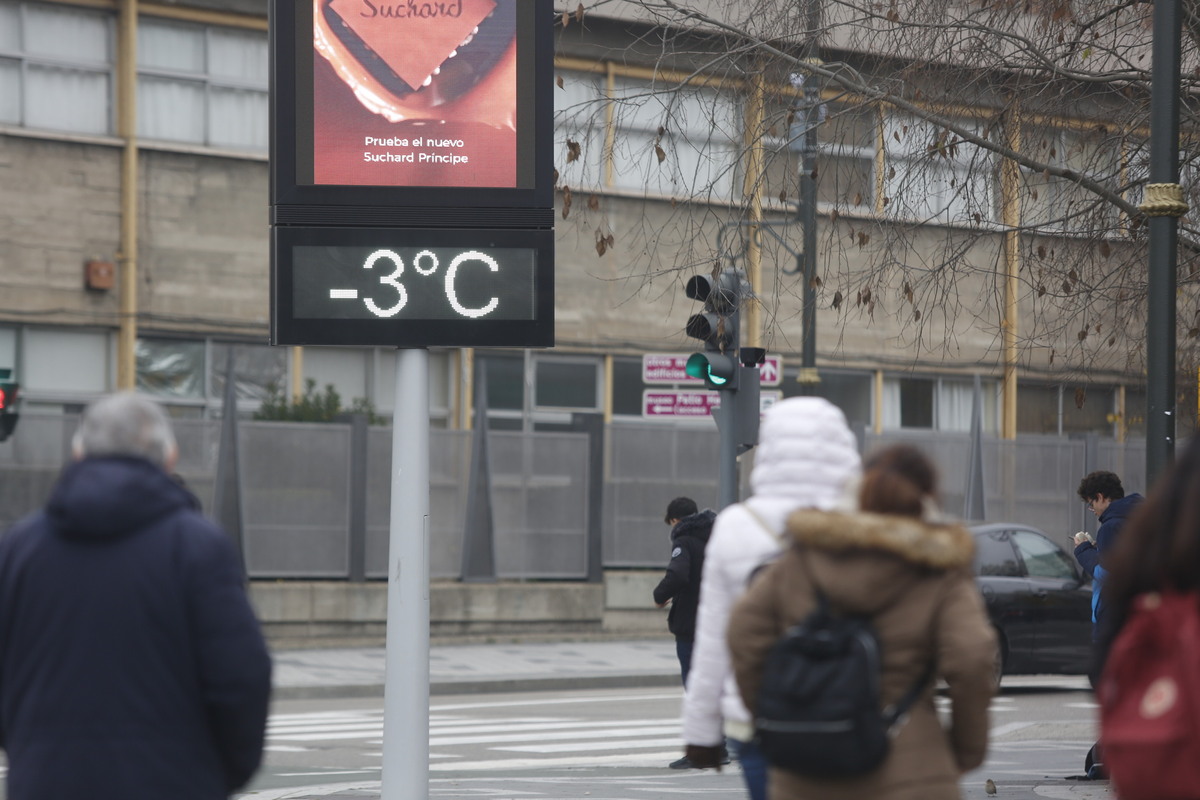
[(818, 710)]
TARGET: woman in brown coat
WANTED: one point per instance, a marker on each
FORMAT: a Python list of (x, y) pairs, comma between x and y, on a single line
[(913, 578)]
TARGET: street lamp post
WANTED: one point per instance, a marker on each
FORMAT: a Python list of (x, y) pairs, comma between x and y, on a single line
[(1163, 205)]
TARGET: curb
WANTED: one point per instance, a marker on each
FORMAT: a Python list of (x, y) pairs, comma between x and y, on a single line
[(493, 686)]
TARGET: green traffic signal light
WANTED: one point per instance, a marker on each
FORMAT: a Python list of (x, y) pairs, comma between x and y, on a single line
[(716, 370)]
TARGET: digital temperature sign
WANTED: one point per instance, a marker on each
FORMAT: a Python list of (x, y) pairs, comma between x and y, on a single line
[(412, 287)]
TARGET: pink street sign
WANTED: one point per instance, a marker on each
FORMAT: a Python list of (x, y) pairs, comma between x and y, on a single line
[(681, 403), (665, 368), (770, 372)]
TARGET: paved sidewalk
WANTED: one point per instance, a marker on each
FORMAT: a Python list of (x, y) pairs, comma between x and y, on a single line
[(468, 668)]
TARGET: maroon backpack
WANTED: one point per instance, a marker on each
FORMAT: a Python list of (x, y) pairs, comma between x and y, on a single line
[(1150, 700)]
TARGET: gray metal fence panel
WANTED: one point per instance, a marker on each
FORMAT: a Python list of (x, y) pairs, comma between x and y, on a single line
[(31, 461), (649, 465), (296, 489), (449, 468), (296, 496), (540, 504)]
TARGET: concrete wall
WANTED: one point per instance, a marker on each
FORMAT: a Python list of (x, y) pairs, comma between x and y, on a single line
[(336, 613)]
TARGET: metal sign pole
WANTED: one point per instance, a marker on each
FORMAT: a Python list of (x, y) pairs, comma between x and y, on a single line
[(406, 676)]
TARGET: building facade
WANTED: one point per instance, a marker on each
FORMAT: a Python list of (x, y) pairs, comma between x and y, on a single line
[(134, 235)]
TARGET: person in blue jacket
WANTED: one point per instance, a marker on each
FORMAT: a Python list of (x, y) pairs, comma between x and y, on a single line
[(1104, 495), (131, 662)]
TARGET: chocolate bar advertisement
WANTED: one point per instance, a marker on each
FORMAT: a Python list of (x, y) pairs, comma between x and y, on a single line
[(415, 93)]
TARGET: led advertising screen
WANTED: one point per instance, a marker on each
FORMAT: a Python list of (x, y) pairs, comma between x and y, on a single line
[(411, 287), (451, 96)]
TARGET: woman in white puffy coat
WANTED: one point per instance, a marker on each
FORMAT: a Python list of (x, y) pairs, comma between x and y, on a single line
[(806, 456)]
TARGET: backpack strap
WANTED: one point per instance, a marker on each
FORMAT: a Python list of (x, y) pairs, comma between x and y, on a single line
[(895, 715), (778, 537)]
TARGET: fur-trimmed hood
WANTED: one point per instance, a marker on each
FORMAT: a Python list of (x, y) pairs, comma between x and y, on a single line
[(862, 560), (924, 544)]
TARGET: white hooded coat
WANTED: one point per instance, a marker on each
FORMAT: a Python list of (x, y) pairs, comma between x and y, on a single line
[(805, 458)]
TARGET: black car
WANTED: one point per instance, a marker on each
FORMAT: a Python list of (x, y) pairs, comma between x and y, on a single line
[(1038, 599)]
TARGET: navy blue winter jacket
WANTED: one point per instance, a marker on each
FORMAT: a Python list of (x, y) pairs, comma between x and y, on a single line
[(131, 663), (1093, 557)]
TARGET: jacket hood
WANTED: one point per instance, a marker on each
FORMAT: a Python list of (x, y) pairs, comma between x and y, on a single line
[(698, 526), (864, 561), (111, 496), (806, 453), (1121, 508)]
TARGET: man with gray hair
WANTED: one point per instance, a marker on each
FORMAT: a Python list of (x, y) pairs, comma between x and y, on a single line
[(131, 662)]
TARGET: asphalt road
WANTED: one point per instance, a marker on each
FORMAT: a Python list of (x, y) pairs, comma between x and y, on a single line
[(615, 745)]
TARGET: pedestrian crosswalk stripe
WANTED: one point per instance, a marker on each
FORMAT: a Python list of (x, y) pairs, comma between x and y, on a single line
[(587, 747), (577, 734)]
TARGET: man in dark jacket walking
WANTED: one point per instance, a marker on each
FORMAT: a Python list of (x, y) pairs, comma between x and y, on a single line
[(680, 586), (1104, 495), (131, 662)]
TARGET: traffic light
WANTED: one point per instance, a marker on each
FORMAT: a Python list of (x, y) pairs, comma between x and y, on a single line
[(717, 325), (8, 405)]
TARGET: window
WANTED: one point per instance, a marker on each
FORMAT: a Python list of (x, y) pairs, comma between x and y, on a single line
[(171, 368), (202, 85), (627, 387), (8, 347), (505, 382), (566, 384), (1058, 409), (700, 134), (849, 391), (56, 68), (845, 157), (701, 131), (908, 403), (579, 114), (61, 361), (1042, 558), (944, 404), (933, 175), (255, 368), (1059, 204)]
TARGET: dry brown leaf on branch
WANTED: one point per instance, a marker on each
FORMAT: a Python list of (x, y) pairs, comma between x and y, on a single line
[(566, 201), (662, 155)]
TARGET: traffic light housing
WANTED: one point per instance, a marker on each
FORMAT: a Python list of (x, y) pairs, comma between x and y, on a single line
[(717, 325), (9, 391)]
